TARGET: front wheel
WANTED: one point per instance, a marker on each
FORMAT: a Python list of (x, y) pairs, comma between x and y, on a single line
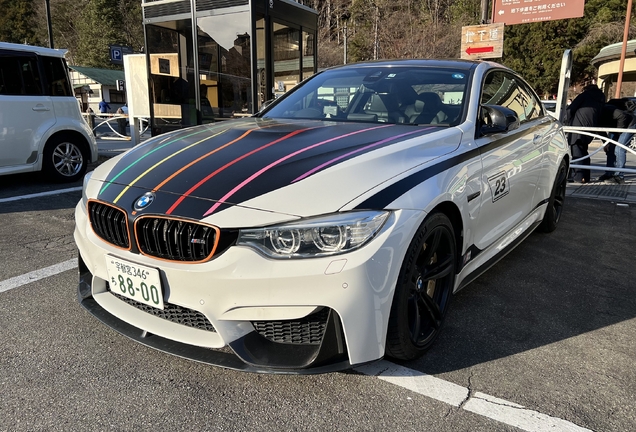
[(64, 159), (557, 199), (423, 290)]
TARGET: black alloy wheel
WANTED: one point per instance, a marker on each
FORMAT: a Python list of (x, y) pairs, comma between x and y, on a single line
[(424, 289), (557, 199)]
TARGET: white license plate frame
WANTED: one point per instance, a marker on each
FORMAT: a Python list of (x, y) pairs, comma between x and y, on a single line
[(135, 281)]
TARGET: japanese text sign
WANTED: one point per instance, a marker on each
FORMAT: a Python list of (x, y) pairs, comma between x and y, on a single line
[(529, 11), (482, 41)]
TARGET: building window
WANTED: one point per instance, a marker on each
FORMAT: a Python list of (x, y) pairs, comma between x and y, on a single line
[(117, 97)]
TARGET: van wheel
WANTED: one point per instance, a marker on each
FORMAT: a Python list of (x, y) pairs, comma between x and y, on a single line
[(64, 159), (424, 289)]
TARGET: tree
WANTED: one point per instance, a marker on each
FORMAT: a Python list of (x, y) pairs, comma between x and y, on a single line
[(17, 22), (536, 49), (87, 27), (108, 22)]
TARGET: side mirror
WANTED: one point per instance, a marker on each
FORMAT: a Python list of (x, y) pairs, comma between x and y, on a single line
[(497, 119)]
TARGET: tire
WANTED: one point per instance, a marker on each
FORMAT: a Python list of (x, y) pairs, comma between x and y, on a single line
[(556, 200), (424, 289), (65, 159)]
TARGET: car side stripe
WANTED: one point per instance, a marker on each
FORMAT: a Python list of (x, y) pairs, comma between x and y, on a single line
[(229, 164), (399, 188), (334, 160), (283, 159), (111, 181), (132, 183)]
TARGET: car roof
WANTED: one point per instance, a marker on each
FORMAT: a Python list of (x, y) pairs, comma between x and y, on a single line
[(33, 49), (438, 63)]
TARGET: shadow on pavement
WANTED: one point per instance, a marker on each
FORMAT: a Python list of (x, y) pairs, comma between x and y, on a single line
[(552, 287)]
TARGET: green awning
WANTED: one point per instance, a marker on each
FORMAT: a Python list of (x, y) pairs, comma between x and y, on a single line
[(107, 77)]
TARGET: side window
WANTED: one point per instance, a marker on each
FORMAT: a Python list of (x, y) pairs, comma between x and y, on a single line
[(534, 108), (19, 76), (502, 88), (57, 78)]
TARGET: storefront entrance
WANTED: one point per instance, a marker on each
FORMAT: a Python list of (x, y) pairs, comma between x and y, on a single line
[(226, 66)]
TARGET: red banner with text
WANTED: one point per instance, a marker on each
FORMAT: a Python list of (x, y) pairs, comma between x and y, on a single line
[(528, 11)]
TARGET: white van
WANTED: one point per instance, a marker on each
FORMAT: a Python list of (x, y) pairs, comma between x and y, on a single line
[(41, 127)]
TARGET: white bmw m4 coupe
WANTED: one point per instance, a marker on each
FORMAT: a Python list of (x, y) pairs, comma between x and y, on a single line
[(329, 230)]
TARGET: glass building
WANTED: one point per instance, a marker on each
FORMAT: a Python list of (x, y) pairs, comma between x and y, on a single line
[(210, 60)]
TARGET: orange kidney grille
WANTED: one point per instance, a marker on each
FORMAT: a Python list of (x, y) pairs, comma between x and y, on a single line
[(109, 223), (160, 237)]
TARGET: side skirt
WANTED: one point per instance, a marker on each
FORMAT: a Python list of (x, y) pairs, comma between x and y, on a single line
[(470, 277)]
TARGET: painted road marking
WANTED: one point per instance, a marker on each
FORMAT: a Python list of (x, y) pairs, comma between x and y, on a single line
[(417, 381), (36, 275), (41, 194), (435, 388), (458, 396), (517, 416)]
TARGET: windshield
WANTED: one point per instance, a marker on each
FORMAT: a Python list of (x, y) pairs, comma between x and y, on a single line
[(379, 94)]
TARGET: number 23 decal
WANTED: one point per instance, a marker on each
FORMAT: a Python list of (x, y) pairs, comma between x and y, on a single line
[(498, 185)]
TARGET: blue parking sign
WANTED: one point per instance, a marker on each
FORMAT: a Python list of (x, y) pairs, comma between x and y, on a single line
[(116, 54)]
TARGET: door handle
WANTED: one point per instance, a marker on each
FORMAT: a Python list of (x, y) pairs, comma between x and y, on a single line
[(41, 107), (537, 139)]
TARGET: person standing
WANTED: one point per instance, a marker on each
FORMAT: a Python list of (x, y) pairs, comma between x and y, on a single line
[(121, 122), (624, 139), (585, 111), (613, 115), (103, 106)]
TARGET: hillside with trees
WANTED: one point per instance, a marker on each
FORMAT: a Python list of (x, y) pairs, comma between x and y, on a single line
[(375, 29)]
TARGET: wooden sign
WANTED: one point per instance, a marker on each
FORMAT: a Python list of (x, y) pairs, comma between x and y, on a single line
[(482, 41)]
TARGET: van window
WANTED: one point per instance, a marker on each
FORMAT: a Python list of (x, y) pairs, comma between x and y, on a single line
[(57, 78), (19, 76)]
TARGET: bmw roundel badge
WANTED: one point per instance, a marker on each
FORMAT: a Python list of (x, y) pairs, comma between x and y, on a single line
[(144, 201)]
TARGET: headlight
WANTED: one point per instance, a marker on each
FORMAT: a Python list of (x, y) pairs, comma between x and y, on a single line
[(322, 236), (84, 185)]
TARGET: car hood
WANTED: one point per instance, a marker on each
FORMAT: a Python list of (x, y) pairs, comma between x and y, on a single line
[(293, 168)]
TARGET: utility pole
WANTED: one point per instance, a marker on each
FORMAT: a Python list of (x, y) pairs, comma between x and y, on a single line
[(345, 19), (619, 82), (484, 12), (345, 42), (48, 22), (375, 32)]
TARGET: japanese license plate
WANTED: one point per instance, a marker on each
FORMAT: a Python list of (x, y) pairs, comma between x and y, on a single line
[(135, 281)]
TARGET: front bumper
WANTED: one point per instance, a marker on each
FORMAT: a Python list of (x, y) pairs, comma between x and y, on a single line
[(257, 354), (332, 312)]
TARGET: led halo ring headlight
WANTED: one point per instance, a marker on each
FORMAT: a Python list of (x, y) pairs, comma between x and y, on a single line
[(284, 241), (314, 237)]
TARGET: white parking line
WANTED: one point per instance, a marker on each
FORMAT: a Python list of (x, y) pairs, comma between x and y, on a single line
[(36, 275), (458, 396), (41, 194), (444, 391)]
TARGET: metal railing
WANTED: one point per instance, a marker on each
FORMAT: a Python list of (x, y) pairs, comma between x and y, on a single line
[(590, 131), (95, 120)]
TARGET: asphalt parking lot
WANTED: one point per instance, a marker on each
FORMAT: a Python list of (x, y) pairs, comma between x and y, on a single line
[(550, 331)]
